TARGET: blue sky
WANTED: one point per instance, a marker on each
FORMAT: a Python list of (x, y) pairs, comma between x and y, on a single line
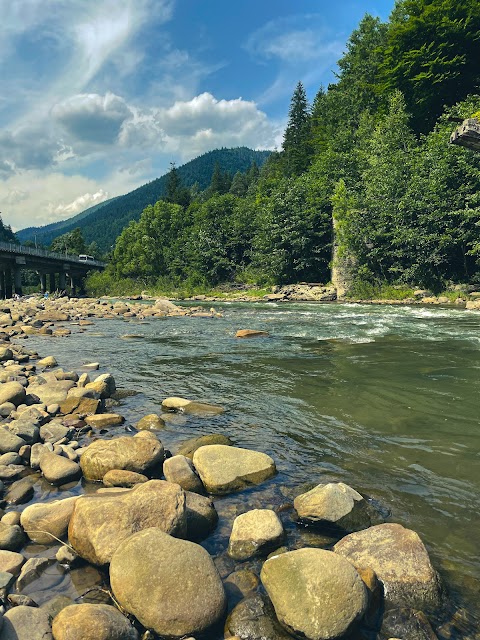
[(99, 96)]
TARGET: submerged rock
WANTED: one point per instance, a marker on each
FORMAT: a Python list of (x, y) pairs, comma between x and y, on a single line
[(101, 522), (401, 562), (407, 623), (254, 619), (251, 333), (189, 447), (255, 532), (151, 422), (299, 583), (202, 516), (151, 567)]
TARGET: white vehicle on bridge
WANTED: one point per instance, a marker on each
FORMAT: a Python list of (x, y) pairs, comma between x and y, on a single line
[(85, 258)]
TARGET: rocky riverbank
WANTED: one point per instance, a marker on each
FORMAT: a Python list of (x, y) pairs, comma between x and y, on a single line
[(128, 517)]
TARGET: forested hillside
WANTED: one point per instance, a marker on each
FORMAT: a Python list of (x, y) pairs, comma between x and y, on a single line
[(371, 151), (104, 222)]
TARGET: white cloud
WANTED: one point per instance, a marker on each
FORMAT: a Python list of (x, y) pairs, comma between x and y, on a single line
[(37, 198)]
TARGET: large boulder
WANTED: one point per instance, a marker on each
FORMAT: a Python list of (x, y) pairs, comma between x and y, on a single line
[(9, 441), (51, 392), (226, 469), (255, 532), (12, 392), (46, 523), (335, 504), (151, 567), (401, 562), (26, 623), (131, 454), (92, 622), (300, 583), (100, 522)]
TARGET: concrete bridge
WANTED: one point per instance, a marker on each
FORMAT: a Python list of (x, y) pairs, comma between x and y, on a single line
[(62, 270)]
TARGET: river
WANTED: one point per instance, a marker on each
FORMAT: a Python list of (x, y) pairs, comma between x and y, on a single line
[(384, 398)]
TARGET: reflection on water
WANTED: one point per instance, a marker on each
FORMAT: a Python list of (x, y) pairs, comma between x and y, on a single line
[(383, 398)]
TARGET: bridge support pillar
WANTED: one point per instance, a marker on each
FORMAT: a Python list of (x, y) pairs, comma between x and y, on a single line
[(52, 282), (17, 279), (8, 283), (43, 282), (73, 286), (2, 285), (62, 284)]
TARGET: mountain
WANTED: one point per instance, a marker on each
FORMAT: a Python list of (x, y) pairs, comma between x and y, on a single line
[(105, 221)]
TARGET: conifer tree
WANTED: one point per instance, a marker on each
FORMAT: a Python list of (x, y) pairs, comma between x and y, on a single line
[(297, 146)]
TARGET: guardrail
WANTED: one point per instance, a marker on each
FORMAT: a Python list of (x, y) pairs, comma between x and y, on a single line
[(19, 249)]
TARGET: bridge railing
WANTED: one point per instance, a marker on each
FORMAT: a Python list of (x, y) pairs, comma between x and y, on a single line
[(18, 249)]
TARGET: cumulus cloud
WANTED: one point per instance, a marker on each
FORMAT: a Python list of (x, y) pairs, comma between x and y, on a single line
[(37, 198), (28, 148), (92, 117)]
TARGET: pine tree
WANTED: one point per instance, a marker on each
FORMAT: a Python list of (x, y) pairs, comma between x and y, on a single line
[(297, 146)]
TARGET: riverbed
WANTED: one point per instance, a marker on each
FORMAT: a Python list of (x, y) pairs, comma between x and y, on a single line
[(382, 398)]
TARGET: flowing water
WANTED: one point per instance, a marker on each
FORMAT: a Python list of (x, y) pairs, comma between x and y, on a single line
[(383, 398)]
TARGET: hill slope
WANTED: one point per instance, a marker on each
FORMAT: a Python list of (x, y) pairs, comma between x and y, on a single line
[(105, 221)]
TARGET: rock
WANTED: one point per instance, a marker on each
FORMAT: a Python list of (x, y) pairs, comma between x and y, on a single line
[(202, 516), (80, 405), (299, 583), (401, 562), (47, 362), (225, 469), (17, 600), (151, 421), (10, 458), (11, 562), (6, 580), (240, 584), (28, 431), (12, 517), (8, 472), (53, 316), (131, 454), (202, 409), (336, 504), (91, 366), (11, 537), (12, 392), (407, 623), (255, 532), (46, 523), (109, 380), (100, 523), (55, 605), (32, 570), (175, 404), (52, 392), (59, 470), (9, 442), (251, 333), (102, 420), (189, 447), (21, 490), (54, 431), (92, 622), (152, 567), (66, 555), (26, 623), (254, 619), (5, 354), (180, 470), (121, 478), (6, 409)]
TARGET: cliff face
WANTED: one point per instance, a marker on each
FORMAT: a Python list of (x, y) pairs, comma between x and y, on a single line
[(467, 134)]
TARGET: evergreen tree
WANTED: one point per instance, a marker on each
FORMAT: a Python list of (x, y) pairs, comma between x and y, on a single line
[(297, 147), (6, 233), (175, 191)]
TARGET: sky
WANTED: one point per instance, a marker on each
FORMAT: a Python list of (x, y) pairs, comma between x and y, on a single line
[(100, 96)]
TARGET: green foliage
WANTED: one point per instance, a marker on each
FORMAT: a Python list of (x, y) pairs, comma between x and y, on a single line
[(431, 55), (6, 233), (297, 143), (71, 243)]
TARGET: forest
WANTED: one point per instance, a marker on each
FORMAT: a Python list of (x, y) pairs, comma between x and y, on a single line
[(371, 151)]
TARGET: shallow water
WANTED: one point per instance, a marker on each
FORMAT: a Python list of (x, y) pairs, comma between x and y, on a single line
[(383, 398)]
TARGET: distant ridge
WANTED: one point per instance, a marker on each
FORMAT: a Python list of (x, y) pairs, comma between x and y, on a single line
[(103, 222)]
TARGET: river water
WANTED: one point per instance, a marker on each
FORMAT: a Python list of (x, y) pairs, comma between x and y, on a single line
[(384, 398)]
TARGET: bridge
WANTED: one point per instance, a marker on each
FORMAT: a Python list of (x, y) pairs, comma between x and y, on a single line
[(61, 270)]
